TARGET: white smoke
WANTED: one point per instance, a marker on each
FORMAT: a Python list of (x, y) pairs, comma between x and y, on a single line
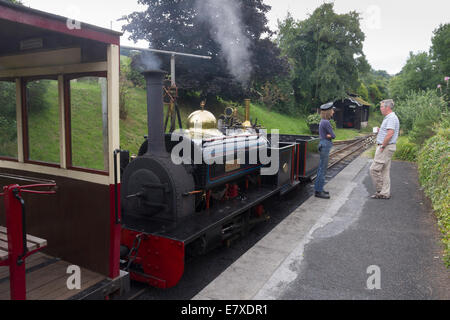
[(227, 30), (146, 60)]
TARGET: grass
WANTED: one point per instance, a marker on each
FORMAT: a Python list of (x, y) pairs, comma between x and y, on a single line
[(133, 129), (87, 125), (273, 120), (43, 127)]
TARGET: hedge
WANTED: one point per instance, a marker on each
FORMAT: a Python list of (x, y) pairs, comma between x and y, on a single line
[(434, 175)]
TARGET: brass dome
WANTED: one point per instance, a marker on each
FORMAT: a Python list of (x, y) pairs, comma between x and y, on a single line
[(201, 119), (203, 123)]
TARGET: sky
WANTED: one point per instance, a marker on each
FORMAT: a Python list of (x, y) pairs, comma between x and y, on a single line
[(393, 28)]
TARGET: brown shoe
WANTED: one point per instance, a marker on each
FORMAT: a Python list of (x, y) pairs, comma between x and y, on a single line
[(380, 196)]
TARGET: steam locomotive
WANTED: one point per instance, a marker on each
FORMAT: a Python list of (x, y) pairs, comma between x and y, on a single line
[(190, 191)]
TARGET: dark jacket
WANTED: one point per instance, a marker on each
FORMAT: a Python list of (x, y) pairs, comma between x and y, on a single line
[(326, 128)]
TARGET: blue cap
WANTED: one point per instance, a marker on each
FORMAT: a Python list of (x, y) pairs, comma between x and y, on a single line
[(327, 106)]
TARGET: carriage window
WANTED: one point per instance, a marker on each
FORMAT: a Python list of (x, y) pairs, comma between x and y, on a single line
[(89, 123), (8, 125), (43, 121)]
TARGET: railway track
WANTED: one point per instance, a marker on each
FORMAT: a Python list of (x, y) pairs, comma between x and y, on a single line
[(344, 149)]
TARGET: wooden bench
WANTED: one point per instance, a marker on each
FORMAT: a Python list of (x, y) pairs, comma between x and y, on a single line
[(33, 243)]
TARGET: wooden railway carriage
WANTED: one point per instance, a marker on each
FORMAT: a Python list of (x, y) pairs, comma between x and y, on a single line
[(39, 143)]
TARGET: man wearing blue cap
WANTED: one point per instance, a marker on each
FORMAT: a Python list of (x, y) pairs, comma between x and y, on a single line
[(326, 136)]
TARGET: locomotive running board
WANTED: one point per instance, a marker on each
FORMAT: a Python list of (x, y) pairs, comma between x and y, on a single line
[(200, 222)]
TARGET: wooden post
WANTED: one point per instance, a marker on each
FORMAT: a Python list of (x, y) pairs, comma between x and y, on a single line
[(20, 156), (114, 143), (62, 123)]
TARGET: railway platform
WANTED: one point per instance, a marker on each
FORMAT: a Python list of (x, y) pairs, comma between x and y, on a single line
[(349, 247)]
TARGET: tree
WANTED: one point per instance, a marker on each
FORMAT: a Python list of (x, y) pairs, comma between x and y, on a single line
[(14, 1), (419, 73), (375, 95), (440, 49), (378, 77), (397, 88), (235, 34), (326, 52), (363, 92)]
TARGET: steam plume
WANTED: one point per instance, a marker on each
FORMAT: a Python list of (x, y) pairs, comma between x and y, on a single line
[(225, 21), (147, 61)]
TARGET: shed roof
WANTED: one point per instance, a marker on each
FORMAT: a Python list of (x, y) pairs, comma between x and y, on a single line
[(47, 21), (361, 101)]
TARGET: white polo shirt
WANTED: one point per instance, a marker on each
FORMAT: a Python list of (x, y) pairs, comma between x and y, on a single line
[(390, 122)]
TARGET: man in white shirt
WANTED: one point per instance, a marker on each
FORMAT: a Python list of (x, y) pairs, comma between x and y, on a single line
[(386, 141)]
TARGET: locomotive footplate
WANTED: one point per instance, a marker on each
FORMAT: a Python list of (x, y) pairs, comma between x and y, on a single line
[(159, 258)]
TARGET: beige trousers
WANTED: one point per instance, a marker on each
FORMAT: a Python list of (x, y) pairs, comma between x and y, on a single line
[(380, 169)]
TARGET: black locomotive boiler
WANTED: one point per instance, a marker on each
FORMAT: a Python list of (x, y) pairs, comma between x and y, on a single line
[(171, 209)]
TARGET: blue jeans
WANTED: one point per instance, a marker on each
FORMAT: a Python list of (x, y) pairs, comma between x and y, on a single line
[(325, 146)]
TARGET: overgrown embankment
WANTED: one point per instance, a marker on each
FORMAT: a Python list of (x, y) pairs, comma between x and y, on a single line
[(434, 174), (426, 128)]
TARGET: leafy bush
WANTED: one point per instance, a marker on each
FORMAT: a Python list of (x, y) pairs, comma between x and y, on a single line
[(406, 150), (7, 99), (422, 129), (8, 137), (278, 95), (418, 112), (434, 174), (36, 94), (313, 119), (8, 129)]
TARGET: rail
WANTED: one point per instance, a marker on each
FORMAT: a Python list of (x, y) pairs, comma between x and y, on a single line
[(346, 148), (350, 147)]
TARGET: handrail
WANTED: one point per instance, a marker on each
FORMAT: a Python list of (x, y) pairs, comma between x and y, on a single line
[(116, 199), (17, 191), (16, 230)]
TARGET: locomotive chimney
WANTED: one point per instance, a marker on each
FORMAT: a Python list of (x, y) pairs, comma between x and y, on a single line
[(155, 111)]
